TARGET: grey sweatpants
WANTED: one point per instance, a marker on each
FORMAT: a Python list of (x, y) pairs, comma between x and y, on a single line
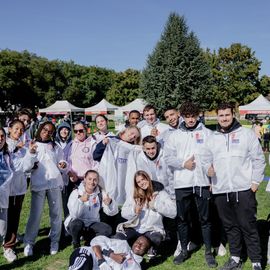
[(55, 211)]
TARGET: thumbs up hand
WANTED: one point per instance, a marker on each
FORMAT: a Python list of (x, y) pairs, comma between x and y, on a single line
[(211, 171), (190, 164)]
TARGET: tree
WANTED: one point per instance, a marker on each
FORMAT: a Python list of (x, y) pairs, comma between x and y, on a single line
[(125, 87), (177, 69), (235, 75)]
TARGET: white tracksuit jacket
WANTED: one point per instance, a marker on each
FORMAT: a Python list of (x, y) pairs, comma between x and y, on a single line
[(88, 211), (146, 128), (23, 162), (181, 145), (150, 219), (131, 262), (237, 158), (47, 175)]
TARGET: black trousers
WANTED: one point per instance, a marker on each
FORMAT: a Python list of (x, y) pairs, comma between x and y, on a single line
[(77, 229), (13, 220), (237, 211), (184, 198)]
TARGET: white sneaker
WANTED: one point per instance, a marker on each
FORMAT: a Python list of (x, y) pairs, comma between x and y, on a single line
[(221, 250), (178, 249), (10, 255), (54, 248), (28, 250)]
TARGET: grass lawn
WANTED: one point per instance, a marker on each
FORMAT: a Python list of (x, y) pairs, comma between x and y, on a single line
[(43, 261)]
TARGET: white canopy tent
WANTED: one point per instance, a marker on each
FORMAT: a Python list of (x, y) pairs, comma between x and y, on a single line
[(137, 104), (61, 107), (260, 105), (103, 107)]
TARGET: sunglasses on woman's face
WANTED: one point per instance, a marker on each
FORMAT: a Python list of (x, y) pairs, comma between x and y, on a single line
[(78, 130)]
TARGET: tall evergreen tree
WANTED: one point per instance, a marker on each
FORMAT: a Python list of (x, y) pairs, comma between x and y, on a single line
[(177, 69)]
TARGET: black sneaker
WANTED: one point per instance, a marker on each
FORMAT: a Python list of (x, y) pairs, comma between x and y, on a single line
[(256, 267), (210, 260), (151, 253), (231, 265), (181, 257)]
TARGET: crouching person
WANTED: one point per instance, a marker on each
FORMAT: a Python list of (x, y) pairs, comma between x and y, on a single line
[(84, 205), (105, 253), (144, 212)]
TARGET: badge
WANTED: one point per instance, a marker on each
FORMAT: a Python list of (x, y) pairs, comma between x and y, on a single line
[(86, 149)]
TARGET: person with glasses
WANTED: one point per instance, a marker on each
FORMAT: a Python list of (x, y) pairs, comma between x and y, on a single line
[(80, 156), (46, 182)]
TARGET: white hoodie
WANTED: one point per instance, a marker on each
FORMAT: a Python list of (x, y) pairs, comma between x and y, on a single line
[(47, 175), (237, 158), (180, 146), (23, 162), (88, 211)]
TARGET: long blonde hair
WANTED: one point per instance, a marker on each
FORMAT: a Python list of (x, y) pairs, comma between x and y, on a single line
[(143, 196), (138, 140)]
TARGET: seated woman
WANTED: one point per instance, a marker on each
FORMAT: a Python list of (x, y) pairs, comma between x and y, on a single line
[(145, 210), (84, 205)]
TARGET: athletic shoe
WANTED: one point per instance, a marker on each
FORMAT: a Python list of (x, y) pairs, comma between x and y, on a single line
[(28, 250), (10, 255), (178, 249), (221, 250), (210, 260), (151, 253), (54, 248), (256, 266), (181, 257), (231, 264), (191, 246)]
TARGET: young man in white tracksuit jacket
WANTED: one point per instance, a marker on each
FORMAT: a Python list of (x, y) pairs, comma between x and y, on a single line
[(234, 159), (183, 153)]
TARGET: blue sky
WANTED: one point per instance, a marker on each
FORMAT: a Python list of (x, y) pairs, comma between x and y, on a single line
[(119, 34)]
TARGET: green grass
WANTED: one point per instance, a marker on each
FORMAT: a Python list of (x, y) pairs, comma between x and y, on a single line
[(43, 261)]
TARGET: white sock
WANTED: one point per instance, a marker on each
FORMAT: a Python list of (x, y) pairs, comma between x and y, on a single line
[(236, 259)]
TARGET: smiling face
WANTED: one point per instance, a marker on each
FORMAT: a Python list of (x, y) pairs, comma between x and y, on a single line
[(172, 117), (101, 124), (80, 132), (150, 149), (16, 131), (225, 118), (64, 132), (133, 118), (150, 116), (25, 119), (2, 139), (141, 245), (142, 182), (46, 132), (90, 182), (130, 135)]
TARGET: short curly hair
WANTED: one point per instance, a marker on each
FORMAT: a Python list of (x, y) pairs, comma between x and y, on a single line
[(188, 108)]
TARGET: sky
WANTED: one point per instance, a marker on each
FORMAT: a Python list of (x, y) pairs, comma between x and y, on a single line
[(120, 34)]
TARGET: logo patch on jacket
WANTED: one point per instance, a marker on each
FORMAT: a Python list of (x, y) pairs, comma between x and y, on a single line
[(199, 138), (234, 139)]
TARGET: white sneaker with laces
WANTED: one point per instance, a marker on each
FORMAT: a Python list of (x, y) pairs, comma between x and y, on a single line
[(178, 249), (28, 250), (10, 255), (54, 248), (221, 250)]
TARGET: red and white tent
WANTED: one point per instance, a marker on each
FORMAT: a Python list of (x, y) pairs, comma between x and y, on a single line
[(260, 105)]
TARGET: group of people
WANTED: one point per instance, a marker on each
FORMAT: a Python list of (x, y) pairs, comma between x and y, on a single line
[(126, 193)]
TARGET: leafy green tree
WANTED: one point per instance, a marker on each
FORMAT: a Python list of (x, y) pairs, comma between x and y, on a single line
[(235, 75), (125, 87), (177, 69)]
